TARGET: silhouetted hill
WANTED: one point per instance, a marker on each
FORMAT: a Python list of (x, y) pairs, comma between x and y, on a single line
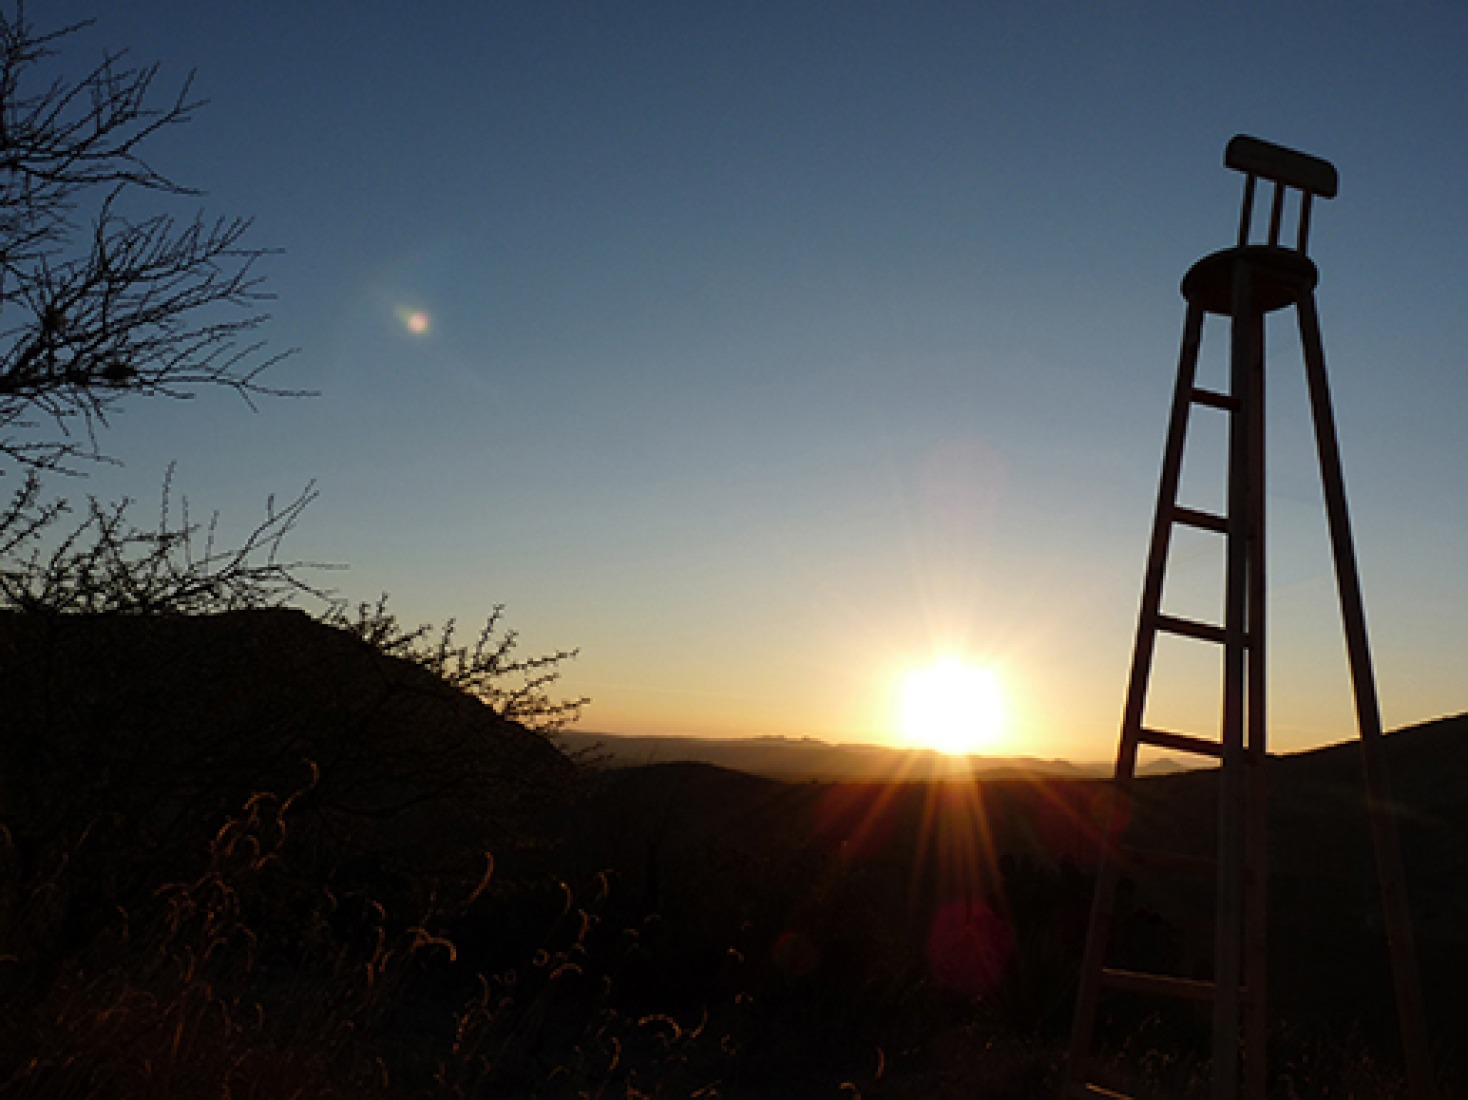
[(171, 723), (1316, 802), (258, 819), (693, 836), (811, 758), (229, 848)]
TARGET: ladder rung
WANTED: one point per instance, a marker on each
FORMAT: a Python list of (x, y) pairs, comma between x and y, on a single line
[(1157, 985), (1172, 861), (1207, 521), (1191, 628), (1181, 742), (1215, 399), (1088, 1091)]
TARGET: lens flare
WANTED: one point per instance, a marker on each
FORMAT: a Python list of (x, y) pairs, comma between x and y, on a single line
[(969, 948), (416, 321)]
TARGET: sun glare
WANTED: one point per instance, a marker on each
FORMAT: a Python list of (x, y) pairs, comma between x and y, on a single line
[(953, 707)]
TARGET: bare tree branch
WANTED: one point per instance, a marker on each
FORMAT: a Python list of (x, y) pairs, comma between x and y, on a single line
[(100, 299)]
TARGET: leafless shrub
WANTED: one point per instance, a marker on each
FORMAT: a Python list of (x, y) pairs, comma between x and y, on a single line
[(103, 562), (489, 668)]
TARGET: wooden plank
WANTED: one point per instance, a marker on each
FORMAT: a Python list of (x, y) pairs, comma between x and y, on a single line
[(1088, 1091), (1205, 521), (1191, 628), (1214, 399), (1157, 985), (1181, 742), (1287, 166)]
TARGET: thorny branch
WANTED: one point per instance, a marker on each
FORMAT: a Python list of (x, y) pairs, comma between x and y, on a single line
[(104, 563), (489, 668)]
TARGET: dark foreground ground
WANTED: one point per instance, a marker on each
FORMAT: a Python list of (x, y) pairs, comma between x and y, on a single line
[(253, 856)]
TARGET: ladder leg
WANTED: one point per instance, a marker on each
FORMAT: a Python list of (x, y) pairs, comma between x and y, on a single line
[(1244, 358), (1097, 934), (1161, 541), (1410, 1012), (1256, 854)]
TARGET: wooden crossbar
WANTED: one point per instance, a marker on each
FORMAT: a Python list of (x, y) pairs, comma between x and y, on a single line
[(1180, 742), (1157, 985), (1274, 162)]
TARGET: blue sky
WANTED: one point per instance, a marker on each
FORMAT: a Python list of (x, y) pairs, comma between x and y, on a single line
[(773, 348)]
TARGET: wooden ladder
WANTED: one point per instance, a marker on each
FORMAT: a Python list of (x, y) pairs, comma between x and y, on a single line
[(1243, 283)]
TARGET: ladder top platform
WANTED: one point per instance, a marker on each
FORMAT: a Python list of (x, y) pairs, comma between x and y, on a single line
[(1255, 157), (1280, 278)]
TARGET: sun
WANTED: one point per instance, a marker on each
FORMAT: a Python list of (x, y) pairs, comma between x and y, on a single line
[(953, 707)]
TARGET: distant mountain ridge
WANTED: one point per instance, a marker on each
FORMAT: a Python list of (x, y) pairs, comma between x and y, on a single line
[(811, 758)]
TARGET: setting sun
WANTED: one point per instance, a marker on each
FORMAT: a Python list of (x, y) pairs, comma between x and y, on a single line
[(953, 707)]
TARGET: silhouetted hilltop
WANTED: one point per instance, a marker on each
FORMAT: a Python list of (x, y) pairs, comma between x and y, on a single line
[(170, 723)]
